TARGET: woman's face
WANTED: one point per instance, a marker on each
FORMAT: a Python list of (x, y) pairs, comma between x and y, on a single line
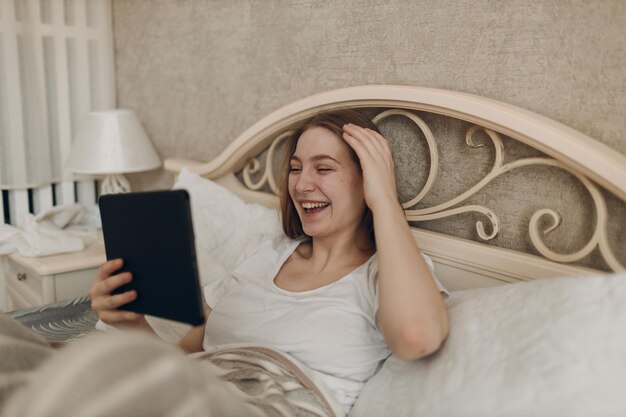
[(326, 185)]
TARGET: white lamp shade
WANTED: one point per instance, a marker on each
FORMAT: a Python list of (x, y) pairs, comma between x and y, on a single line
[(111, 142)]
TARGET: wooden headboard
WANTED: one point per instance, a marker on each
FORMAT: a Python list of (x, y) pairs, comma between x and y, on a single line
[(460, 263)]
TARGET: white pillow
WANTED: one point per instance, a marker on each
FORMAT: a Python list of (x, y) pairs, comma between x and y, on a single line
[(553, 347), (223, 224)]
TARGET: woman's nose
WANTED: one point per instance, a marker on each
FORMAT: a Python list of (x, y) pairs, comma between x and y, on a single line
[(304, 182)]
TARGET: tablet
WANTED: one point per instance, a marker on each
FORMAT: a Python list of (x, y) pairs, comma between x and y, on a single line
[(153, 233)]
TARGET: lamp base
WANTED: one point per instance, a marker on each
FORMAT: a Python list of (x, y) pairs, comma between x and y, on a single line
[(114, 184)]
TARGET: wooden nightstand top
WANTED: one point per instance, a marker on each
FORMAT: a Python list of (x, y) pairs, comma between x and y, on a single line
[(93, 256)]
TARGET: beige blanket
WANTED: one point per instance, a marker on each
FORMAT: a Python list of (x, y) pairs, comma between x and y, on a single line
[(132, 374), (271, 382)]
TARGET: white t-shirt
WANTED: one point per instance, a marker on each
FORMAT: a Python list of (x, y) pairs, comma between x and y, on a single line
[(331, 329)]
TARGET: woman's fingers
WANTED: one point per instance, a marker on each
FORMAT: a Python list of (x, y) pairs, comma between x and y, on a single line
[(116, 281), (365, 152), (364, 137), (382, 141), (357, 146), (100, 293), (372, 143), (369, 136), (376, 162), (106, 303), (115, 316), (107, 285), (107, 268), (113, 301)]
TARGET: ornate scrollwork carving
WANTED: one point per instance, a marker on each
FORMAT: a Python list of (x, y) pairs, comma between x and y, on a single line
[(432, 148), (447, 209), (440, 211), (253, 166), (599, 238)]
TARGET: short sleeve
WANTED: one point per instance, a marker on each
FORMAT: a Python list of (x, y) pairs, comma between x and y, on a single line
[(214, 291), (444, 292)]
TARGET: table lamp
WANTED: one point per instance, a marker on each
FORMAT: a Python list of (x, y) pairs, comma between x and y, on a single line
[(111, 143)]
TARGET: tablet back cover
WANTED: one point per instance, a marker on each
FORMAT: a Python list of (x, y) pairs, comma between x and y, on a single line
[(153, 233)]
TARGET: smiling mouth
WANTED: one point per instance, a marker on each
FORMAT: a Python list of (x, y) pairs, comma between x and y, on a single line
[(310, 207)]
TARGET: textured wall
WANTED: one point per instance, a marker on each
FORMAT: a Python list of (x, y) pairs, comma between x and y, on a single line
[(200, 72)]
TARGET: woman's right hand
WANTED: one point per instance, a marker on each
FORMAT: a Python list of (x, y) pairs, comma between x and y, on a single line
[(106, 303)]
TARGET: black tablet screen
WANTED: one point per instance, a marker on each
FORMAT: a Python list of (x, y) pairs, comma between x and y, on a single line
[(153, 233)]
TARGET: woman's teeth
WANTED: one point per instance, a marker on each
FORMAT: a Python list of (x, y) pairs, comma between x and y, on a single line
[(311, 206)]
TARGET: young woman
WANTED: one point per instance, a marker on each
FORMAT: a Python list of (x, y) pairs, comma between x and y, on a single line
[(343, 288)]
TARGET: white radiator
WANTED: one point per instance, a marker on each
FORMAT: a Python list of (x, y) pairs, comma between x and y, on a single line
[(35, 200)]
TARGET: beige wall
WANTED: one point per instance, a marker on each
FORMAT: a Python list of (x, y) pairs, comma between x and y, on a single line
[(199, 72)]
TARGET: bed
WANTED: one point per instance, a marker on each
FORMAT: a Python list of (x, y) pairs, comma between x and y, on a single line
[(538, 305)]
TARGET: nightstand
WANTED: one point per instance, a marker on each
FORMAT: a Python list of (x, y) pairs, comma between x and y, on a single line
[(32, 282)]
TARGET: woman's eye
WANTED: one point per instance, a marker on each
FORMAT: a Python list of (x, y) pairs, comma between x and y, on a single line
[(322, 170), (294, 169)]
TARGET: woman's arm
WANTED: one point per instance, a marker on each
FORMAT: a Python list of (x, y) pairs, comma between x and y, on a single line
[(411, 313), (192, 341)]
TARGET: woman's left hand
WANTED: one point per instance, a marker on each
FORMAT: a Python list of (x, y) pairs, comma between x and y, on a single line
[(379, 180)]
